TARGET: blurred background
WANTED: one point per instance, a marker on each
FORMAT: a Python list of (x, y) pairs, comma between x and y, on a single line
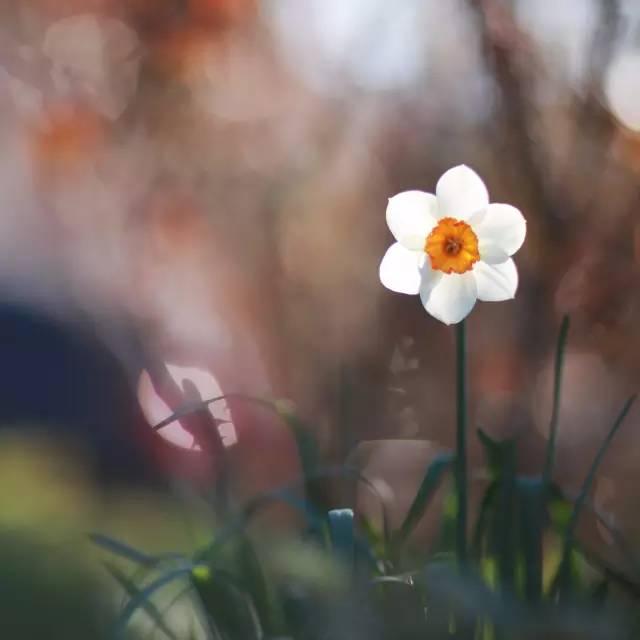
[(192, 198)]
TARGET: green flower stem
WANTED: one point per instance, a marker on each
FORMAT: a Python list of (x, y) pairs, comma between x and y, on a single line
[(461, 445)]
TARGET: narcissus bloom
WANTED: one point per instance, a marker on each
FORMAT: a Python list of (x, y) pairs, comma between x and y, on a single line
[(452, 248)]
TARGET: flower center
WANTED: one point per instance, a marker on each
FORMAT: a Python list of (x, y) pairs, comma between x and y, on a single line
[(452, 246)]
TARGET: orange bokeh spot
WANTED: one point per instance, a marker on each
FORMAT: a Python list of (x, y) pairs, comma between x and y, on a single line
[(184, 52), (222, 13), (177, 226), (66, 137), (452, 246)]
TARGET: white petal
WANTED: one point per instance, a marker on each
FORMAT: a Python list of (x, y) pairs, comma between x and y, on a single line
[(400, 269), (460, 193), (496, 282), (429, 277), (491, 253), (501, 227), (452, 297), (411, 215)]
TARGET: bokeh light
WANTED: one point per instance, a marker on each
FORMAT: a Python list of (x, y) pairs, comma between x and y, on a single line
[(156, 409)]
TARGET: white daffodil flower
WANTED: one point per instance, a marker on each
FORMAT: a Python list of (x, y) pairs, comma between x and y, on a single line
[(452, 248)]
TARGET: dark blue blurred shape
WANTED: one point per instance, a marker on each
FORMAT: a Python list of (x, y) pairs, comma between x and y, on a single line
[(62, 379)]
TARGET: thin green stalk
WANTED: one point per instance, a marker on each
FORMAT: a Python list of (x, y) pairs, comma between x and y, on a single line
[(540, 493), (563, 571), (555, 411), (461, 445)]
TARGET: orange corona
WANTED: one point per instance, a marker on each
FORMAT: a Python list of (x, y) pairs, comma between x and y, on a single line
[(452, 246)]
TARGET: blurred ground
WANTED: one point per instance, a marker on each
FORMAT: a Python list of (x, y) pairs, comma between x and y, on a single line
[(203, 182)]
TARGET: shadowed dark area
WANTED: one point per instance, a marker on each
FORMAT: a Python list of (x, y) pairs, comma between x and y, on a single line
[(61, 379)]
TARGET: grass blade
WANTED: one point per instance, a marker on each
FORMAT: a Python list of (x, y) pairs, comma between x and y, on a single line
[(308, 454), (165, 610), (130, 553), (555, 410), (487, 505), (132, 590), (563, 571), (498, 507), (430, 482), (504, 534), (315, 518), (531, 496), (228, 608), (199, 405), (343, 536), (260, 589), (142, 597)]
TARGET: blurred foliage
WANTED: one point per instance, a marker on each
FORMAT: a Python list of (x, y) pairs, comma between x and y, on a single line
[(529, 575), (49, 592)]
